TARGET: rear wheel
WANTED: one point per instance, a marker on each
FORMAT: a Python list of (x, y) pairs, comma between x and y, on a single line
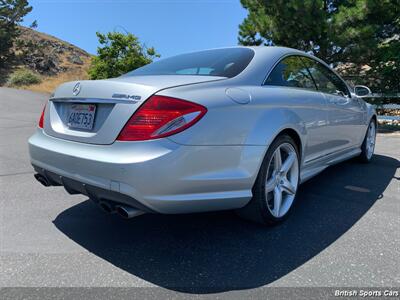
[(368, 145), (275, 189)]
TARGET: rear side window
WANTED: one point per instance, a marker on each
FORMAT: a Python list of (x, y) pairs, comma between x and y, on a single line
[(325, 79), (227, 62), (291, 72)]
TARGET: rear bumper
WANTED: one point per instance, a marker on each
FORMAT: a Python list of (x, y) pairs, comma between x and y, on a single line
[(95, 193), (158, 176)]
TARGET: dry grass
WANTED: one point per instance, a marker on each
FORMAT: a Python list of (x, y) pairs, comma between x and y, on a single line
[(49, 83)]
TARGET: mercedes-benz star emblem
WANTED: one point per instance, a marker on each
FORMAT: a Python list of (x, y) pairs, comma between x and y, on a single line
[(77, 89)]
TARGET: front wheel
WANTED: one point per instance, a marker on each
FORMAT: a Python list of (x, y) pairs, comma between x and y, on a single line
[(368, 145), (275, 189)]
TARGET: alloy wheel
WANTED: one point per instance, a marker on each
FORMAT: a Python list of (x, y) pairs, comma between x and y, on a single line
[(371, 137), (282, 180)]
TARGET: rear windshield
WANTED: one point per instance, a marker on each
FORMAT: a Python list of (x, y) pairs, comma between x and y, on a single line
[(219, 62)]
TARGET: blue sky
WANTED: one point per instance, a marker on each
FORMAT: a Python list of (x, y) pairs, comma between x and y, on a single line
[(171, 26)]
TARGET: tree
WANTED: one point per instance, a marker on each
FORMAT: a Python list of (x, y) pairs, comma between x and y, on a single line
[(337, 31), (301, 24), (118, 54), (34, 25), (385, 68), (11, 13), (368, 33)]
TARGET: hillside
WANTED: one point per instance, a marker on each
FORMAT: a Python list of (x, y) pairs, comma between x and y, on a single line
[(52, 60)]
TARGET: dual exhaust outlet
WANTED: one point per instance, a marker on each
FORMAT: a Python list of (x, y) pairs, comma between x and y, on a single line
[(124, 211)]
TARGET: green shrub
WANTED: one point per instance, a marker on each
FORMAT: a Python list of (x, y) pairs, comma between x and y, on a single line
[(23, 77), (118, 54)]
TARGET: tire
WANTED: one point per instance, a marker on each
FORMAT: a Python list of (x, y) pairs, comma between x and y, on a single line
[(264, 206), (368, 145)]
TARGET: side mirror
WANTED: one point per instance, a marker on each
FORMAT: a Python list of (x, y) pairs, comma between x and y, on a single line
[(362, 91)]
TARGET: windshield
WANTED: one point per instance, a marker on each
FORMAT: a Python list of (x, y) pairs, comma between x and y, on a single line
[(227, 62)]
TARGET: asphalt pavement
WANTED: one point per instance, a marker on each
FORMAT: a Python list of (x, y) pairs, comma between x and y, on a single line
[(344, 231)]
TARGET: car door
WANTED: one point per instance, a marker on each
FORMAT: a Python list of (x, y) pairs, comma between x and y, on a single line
[(297, 90), (345, 113)]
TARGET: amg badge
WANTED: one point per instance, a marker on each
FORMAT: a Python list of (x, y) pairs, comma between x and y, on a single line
[(126, 96)]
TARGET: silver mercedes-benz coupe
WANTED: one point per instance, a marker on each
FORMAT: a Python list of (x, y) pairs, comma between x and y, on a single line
[(232, 128)]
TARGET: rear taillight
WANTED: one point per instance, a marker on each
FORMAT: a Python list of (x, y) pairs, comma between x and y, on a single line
[(41, 120), (161, 116)]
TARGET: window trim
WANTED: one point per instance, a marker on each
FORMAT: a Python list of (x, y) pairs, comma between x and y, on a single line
[(301, 56)]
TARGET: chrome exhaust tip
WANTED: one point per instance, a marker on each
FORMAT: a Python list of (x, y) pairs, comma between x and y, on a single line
[(43, 180), (128, 212)]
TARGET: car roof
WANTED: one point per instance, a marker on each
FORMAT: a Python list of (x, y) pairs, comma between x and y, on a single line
[(265, 57), (264, 50), (260, 49)]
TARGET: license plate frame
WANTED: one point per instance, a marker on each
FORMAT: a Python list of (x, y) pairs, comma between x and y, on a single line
[(81, 116)]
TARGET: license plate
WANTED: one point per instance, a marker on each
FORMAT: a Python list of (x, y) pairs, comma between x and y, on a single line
[(81, 116)]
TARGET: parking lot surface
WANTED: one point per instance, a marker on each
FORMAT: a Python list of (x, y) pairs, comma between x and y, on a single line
[(344, 230)]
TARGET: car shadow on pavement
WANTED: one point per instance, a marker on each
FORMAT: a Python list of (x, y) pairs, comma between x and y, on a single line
[(215, 252)]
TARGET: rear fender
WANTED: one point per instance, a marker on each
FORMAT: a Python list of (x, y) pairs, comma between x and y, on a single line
[(272, 122)]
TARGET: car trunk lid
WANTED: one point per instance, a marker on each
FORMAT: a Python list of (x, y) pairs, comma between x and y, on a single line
[(96, 111)]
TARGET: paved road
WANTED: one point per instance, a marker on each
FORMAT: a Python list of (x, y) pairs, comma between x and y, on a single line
[(344, 231)]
